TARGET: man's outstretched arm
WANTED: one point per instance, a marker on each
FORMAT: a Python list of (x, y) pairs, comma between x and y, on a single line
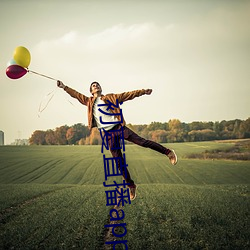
[(80, 97), (132, 94)]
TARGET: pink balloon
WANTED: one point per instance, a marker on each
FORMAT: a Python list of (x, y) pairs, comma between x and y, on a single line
[(15, 71)]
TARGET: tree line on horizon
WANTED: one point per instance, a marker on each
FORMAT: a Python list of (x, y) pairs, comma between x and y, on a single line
[(172, 131)]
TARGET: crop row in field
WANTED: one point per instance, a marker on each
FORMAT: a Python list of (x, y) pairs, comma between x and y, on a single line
[(84, 165), (189, 217), (63, 217), (165, 216)]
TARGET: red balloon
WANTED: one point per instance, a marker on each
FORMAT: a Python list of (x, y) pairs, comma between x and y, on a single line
[(15, 71)]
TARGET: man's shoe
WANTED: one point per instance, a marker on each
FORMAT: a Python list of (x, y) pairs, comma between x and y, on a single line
[(132, 192), (172, 157)]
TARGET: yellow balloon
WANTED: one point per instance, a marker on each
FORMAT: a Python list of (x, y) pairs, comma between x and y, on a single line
[(22, 56)]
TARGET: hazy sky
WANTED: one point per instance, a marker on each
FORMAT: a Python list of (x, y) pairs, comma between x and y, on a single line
[(195, 55)]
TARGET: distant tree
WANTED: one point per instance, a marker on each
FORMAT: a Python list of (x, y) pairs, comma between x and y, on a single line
[(202, 135), (196, 126), (95, 138), (141, 130), (156, 126), (60, 134), (207, 135), (175, 133), (159, 135), (227, 130), (38, 138), (87, 141), (145, 133), (201, 125), (245, 129), (82, 141), (208, 125), (77, 132), (185, 130), (138, 128), (236, 129), (70, 136), (50, 137), (222, 127), (175, 124), (217, 129)]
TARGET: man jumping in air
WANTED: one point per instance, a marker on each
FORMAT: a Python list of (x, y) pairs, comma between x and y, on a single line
[(94, 121)]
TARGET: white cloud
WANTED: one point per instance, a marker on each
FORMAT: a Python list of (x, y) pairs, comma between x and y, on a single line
[(119, 35), (116, 39), (69, 38), (119, 46)]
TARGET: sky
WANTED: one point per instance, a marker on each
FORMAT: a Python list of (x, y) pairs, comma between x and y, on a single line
[(195, 55)]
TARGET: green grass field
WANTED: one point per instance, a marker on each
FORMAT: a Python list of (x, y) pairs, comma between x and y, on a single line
[(52, 197)]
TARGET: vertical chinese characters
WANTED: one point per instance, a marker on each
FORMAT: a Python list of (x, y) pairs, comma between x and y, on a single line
[(113, 139)]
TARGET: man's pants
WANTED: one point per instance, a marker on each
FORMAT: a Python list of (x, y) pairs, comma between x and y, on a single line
[(131, 136)]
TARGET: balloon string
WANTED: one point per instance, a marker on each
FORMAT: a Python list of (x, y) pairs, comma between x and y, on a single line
[(41, 75), (50, 96), (71, 103)]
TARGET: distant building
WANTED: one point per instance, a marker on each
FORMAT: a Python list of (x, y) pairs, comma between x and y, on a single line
[(1, 138)]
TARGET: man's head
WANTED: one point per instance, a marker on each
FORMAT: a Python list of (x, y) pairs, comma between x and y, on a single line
[(95, 87)]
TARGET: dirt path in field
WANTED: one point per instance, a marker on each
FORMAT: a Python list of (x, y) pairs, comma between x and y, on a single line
[(7, 213)]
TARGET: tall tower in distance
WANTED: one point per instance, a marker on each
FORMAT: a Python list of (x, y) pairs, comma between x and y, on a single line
[(1, 138)]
